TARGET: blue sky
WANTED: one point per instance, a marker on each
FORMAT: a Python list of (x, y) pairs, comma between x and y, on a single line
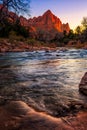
[(71, 11)]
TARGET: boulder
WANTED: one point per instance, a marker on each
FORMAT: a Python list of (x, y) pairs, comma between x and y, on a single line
[(83, 84)]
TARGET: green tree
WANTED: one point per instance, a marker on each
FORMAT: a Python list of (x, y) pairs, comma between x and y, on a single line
[(84, 22), (78, 30), (84, 31), (71, 35)]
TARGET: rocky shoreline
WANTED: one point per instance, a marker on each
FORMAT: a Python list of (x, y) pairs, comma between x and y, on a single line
[(19, 46), (22, 46), (17, 115)]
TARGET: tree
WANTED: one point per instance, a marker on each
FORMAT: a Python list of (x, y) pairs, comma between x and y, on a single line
[(84, 31), (9, 11), (71, 35), (16, 6), (20, 30), (84, 22), (65, 33), (78, 30)]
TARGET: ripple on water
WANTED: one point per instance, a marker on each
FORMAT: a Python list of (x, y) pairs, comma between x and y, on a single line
[(48, 81)]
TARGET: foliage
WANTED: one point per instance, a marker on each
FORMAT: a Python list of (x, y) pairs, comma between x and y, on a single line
[(78, 30), (84, 23), (14, 37), (17, 28), (31, 41), (17, 6), (6, 26), (20, 30), (4, 31)]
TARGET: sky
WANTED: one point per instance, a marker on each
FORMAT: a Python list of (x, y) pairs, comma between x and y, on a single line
[(71, 11)]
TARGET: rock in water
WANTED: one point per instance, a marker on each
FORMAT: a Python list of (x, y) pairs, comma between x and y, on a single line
[(83, 84)]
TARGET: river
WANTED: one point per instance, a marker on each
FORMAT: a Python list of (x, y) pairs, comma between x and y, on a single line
[(46, 80)]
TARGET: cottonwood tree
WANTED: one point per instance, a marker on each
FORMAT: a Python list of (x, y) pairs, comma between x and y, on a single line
[(78, 30), (84, 22), (84, 32)]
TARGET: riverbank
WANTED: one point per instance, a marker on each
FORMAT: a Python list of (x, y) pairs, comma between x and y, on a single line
[(17, 115), (7, 45)]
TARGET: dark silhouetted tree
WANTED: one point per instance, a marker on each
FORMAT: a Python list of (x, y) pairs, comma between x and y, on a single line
[(9, 11), (16, 6), (78, 30), (71, 35)]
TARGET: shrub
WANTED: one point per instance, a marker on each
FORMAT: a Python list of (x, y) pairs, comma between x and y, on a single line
[(13, 36)]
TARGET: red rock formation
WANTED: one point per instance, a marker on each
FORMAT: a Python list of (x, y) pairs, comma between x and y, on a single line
[(24, 21), (44, 27), (65, 27), (48, 21), (12, 17), (47, 26)]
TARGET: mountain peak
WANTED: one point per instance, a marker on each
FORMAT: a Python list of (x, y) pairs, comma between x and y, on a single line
[(48, 21), (48, 12)]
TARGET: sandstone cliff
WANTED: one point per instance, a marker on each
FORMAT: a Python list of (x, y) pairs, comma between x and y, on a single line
[(47, 26), (48, 21)]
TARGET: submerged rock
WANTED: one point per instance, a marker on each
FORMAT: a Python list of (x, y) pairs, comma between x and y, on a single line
[(83, 84)]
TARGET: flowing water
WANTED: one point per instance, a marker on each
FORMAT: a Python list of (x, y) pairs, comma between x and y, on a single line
[(47, 80)]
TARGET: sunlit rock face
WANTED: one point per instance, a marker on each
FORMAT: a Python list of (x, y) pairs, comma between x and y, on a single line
[(47, 26), (48, 21), (83, 84), (65, 27), (24, 21)]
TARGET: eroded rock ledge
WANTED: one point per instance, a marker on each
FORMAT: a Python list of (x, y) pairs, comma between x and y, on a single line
[(17, 115)]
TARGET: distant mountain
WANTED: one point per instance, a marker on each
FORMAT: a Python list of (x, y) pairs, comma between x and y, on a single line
[(48, 21), (45, 27)]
